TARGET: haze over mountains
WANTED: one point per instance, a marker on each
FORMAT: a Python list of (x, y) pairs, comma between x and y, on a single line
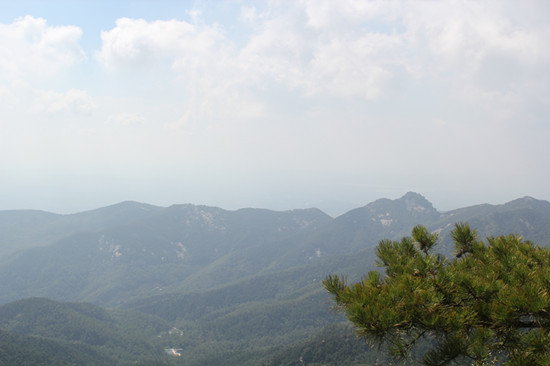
[(240, 286)]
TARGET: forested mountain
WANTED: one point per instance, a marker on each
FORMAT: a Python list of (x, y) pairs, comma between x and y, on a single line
[(177, 245), (220, 287)]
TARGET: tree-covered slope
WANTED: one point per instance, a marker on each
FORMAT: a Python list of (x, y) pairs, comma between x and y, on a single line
[(155, 254), (130, 251), (116, 336), (22, 350)]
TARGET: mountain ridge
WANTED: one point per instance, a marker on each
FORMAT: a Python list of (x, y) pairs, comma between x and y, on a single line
[(131, 248)]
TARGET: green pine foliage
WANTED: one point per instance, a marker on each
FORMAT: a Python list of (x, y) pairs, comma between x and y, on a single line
[(490, 303)]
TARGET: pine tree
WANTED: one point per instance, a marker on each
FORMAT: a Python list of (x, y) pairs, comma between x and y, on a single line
[(489, 303)]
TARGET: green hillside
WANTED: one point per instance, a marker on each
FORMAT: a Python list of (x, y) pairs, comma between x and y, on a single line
[(114, 335)]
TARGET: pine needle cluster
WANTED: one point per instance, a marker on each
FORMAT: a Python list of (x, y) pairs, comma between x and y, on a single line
[(490, 303)]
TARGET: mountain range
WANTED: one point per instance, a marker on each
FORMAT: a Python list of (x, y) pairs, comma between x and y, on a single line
[(214, 286)]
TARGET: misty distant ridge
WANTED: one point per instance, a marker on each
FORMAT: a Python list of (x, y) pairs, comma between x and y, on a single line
[(33, 228), (131, 206), (22, 229)]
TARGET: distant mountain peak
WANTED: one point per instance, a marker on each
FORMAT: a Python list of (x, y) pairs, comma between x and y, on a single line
[(415, 202), (414, 196)]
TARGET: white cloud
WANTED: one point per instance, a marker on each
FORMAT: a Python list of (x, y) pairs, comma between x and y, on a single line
[(140, 43), (35, 54), (73, 101), (204, 69), (23, 99), (415, 64), (32, 49), (479, 53), (358, 67), (472, 52), (281, 50), (346, 49), (330, 15)]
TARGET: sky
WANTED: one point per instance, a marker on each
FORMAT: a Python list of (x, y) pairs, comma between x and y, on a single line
[(273, 104)]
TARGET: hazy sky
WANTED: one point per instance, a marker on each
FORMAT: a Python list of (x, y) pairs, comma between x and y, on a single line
[(283, 104)]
